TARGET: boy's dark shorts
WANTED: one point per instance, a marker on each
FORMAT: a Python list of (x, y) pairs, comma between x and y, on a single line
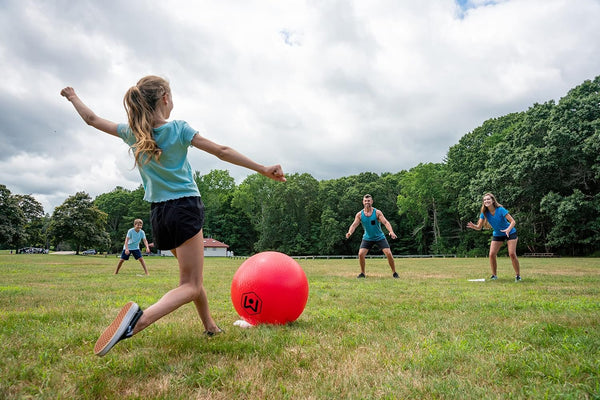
[(504, 238), (368, 244), (137, 254), (176, 221)]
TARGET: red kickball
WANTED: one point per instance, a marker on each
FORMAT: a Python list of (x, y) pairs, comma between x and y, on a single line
[(269, 288)]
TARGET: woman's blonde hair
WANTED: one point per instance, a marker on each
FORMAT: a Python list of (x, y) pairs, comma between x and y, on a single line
[(484, 208), (140, 101)]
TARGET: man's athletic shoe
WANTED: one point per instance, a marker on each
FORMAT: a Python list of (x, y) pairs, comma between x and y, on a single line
[(361, 275), (493, 277), (396, 275), (518, 278), (121, 328)]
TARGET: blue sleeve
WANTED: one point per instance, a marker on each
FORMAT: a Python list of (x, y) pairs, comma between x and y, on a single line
[(186, 133), (125, 133)]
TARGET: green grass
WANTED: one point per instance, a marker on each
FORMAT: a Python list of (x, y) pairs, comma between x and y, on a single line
[(431, 334)]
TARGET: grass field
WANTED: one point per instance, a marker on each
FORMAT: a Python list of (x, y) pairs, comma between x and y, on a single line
[(431, 334)]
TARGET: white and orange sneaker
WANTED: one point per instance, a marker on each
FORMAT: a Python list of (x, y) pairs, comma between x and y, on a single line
[(121, 328)]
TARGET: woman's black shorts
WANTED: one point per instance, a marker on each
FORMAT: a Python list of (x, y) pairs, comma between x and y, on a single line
[(176, 221), (504, 238)]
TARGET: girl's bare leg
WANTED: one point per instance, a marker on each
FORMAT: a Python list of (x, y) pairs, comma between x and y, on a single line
[(512, 253), (190, 256), (494, 248)]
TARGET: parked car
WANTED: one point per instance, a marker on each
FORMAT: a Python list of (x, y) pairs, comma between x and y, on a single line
[(88, 252)]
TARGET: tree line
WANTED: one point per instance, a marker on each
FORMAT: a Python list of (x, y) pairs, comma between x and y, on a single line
[(543, 164)]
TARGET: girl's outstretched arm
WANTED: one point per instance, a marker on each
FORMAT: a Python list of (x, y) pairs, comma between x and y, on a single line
[(230, 155), (89, 117), (476, 227)]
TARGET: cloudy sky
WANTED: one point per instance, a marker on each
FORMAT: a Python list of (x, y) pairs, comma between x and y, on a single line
[(331, 88)]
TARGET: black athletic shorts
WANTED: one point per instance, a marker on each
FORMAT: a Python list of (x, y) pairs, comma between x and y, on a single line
[(176, 221), (504, 238), (368, 244)]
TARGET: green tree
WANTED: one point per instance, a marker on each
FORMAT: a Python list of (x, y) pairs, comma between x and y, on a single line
[(296, 215), (332, 231), (467, 160), (539, 163), (341, 199), (554, 149), (288, 219), (138, 208), (122, 207), (423, 200), (235, 229), (216, 188), (12, 219), (253, 198), (575, 221), (80, 223), (35, 224), (116, 206)]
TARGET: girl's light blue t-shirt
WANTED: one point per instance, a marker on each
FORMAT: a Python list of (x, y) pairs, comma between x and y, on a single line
[(171, 176)]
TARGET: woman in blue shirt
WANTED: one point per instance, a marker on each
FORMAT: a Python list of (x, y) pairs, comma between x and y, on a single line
[(160, 151), (495, 215)]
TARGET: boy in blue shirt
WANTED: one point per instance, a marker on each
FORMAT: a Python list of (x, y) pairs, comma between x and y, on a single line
[(132, 245)]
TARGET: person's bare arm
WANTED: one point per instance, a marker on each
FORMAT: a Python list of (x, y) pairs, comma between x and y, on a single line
[(386, 223), (355, 223), (88, 116), (232, 156), (476, 227), (512, 221), (125, 246)]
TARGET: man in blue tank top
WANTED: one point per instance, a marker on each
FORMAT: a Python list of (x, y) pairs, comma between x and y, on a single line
[(371, 220)]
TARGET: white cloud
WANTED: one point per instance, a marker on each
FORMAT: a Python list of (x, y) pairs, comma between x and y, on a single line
[(330, 88)]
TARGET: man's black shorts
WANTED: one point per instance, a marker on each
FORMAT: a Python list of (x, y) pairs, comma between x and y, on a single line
[(176, 221)]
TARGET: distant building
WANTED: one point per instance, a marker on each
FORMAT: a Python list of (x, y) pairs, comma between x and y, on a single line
[(212, 248)]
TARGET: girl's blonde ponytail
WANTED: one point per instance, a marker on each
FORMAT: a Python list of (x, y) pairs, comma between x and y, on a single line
[(140, 102)]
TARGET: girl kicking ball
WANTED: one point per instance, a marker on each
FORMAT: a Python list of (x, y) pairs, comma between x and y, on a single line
[(160, 151)]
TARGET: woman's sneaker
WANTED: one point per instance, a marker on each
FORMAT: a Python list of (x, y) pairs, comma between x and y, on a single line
[(121, 328)]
